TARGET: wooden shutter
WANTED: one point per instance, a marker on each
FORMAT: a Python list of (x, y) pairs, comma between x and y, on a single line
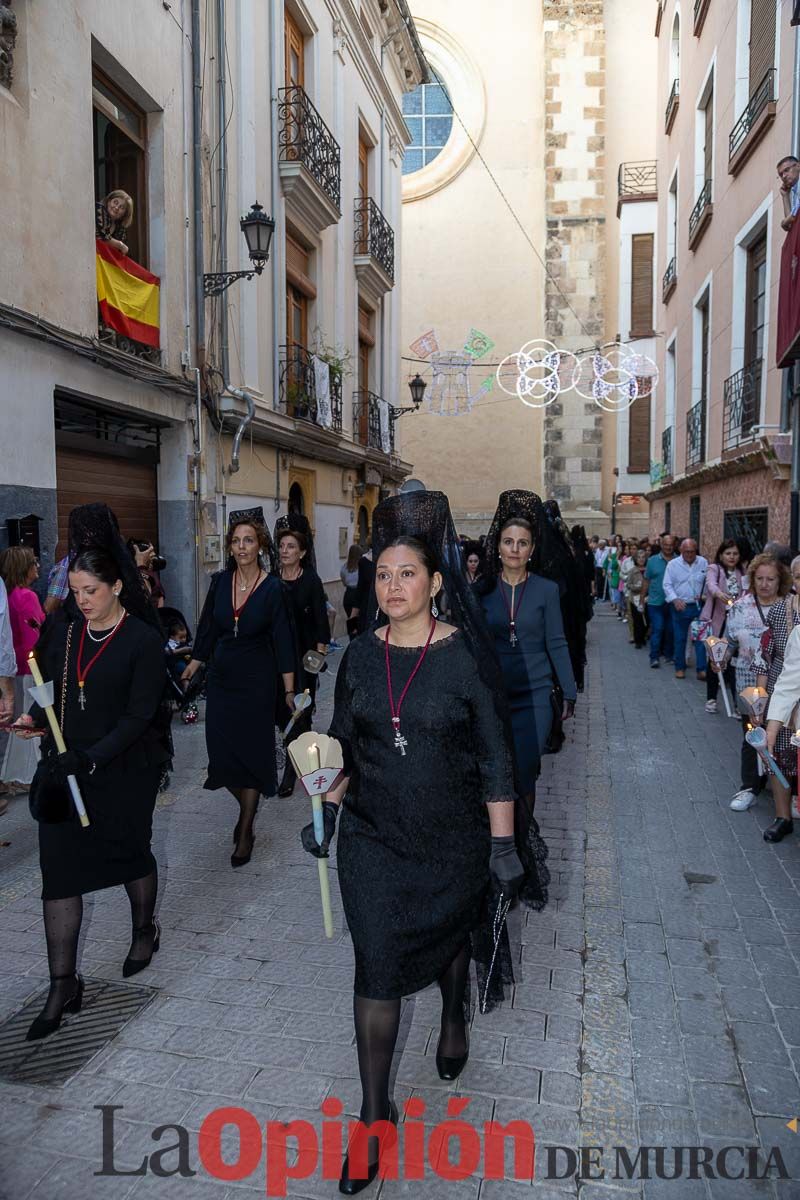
[(298, 268), (363, 167), (708, 148), (762, 40), (641, 284), (639, 429), (755, 300), (126, 486)]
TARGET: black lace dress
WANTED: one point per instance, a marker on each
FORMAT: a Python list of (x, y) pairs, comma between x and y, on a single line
[(414, 839)]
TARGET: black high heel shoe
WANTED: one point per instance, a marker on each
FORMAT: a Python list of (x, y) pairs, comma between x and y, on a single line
[(351, 1187), (241, 860), (451, 1067), (43, 1026), (132, 966)]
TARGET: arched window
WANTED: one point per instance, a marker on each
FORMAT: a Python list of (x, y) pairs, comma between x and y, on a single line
[(429, 115), (675, 49), (296, 500)]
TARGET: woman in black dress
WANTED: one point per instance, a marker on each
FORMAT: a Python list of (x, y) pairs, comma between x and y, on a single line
[(107, 667), (428, 799), (306, 597), (245, 637), (524, 614)]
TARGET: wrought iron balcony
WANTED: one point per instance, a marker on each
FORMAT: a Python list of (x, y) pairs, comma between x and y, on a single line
[(670, 280), (306, 143), (666, 453), (672, 105), (696, 434), (741, 405), (700, 215), (374, 235), (128, 345), (700, 10), (755, 119), (367, 422), (298, 394)]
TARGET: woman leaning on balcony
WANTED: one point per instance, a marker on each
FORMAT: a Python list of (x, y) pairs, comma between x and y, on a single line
[(112, 217)]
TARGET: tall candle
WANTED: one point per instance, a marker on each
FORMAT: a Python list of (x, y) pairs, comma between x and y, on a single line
[(58, 738), (319, 834)]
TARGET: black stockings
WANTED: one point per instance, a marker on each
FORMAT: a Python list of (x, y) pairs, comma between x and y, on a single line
[(453, 985), (377, 1023), (248, 807), (142, 895), (62, 927)]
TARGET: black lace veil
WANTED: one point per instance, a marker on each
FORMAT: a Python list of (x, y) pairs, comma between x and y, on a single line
[(95, 527), (299, 524), (426, 515), (255, 517), (552, 557)]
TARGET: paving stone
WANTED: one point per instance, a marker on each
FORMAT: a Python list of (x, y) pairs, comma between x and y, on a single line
[(701, 1016), (783, 990), (606, 1051), (661, 1081), (772, 1090), (711, 1058), (687, 952), (745, 1004), (694, 983), (654, 1000), (647, 968), (563, 1029), (759, 1043), (644, 937), (722, 1111), (601, 975), (544, 1055)]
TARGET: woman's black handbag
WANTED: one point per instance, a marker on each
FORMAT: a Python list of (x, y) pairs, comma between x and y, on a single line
[(556, 736), (49, 798)]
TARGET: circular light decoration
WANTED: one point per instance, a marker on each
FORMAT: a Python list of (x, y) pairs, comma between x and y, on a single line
[(537, 373), (606, 379)]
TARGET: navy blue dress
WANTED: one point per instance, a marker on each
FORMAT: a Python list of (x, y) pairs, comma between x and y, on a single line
[(528, 666), (242, 679)]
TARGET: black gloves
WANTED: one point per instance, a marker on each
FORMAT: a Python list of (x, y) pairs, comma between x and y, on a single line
[(505, 868), (330, 812), (72, 762)]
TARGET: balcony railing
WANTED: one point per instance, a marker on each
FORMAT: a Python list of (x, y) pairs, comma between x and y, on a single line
[(741, 405), (305, 138), (367, 421), (672, 105), (374, 235), (669, 281), (636, 181), (700, 214), (128, 345), (298, 394), (696, 434), (757, 107), (666, 453)]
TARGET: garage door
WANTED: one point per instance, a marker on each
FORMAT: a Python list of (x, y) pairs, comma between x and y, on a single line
[(127, 486)]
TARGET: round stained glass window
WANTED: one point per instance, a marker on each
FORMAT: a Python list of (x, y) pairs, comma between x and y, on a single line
[(429, 117)]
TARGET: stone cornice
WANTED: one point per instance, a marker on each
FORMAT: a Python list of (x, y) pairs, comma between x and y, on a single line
[(755, 459)]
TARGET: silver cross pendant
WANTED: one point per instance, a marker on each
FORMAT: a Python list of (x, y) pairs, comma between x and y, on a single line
[(400, 742), (513, 637)]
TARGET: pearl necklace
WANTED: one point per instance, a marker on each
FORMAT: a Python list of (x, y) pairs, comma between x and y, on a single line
[(106, 633)]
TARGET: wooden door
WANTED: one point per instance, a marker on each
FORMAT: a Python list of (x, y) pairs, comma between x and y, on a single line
[(128, 487), (755, 300), (295, 53), (642, 285), (762, 41), (708, 146)]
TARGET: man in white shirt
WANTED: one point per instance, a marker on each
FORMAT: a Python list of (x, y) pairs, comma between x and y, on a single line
[(600, 556), (684, 581)]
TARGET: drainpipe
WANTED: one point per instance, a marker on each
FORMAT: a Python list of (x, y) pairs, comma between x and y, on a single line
[(275, 201), (791, 375), (222, 186), (247, 419), (197, 182)]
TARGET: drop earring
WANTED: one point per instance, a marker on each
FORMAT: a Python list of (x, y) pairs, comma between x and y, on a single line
[(434, 609)]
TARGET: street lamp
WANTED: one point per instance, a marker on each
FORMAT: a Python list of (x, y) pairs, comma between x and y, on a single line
[(417, 387), (258, 229)]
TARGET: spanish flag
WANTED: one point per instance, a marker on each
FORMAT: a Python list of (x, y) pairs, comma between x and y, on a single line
[(128, 295)]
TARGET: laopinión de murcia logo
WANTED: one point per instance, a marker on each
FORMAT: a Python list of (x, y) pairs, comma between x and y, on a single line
[(452, 1149)]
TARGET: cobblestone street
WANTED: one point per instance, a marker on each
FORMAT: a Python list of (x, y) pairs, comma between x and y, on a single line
[(657, 1001)]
